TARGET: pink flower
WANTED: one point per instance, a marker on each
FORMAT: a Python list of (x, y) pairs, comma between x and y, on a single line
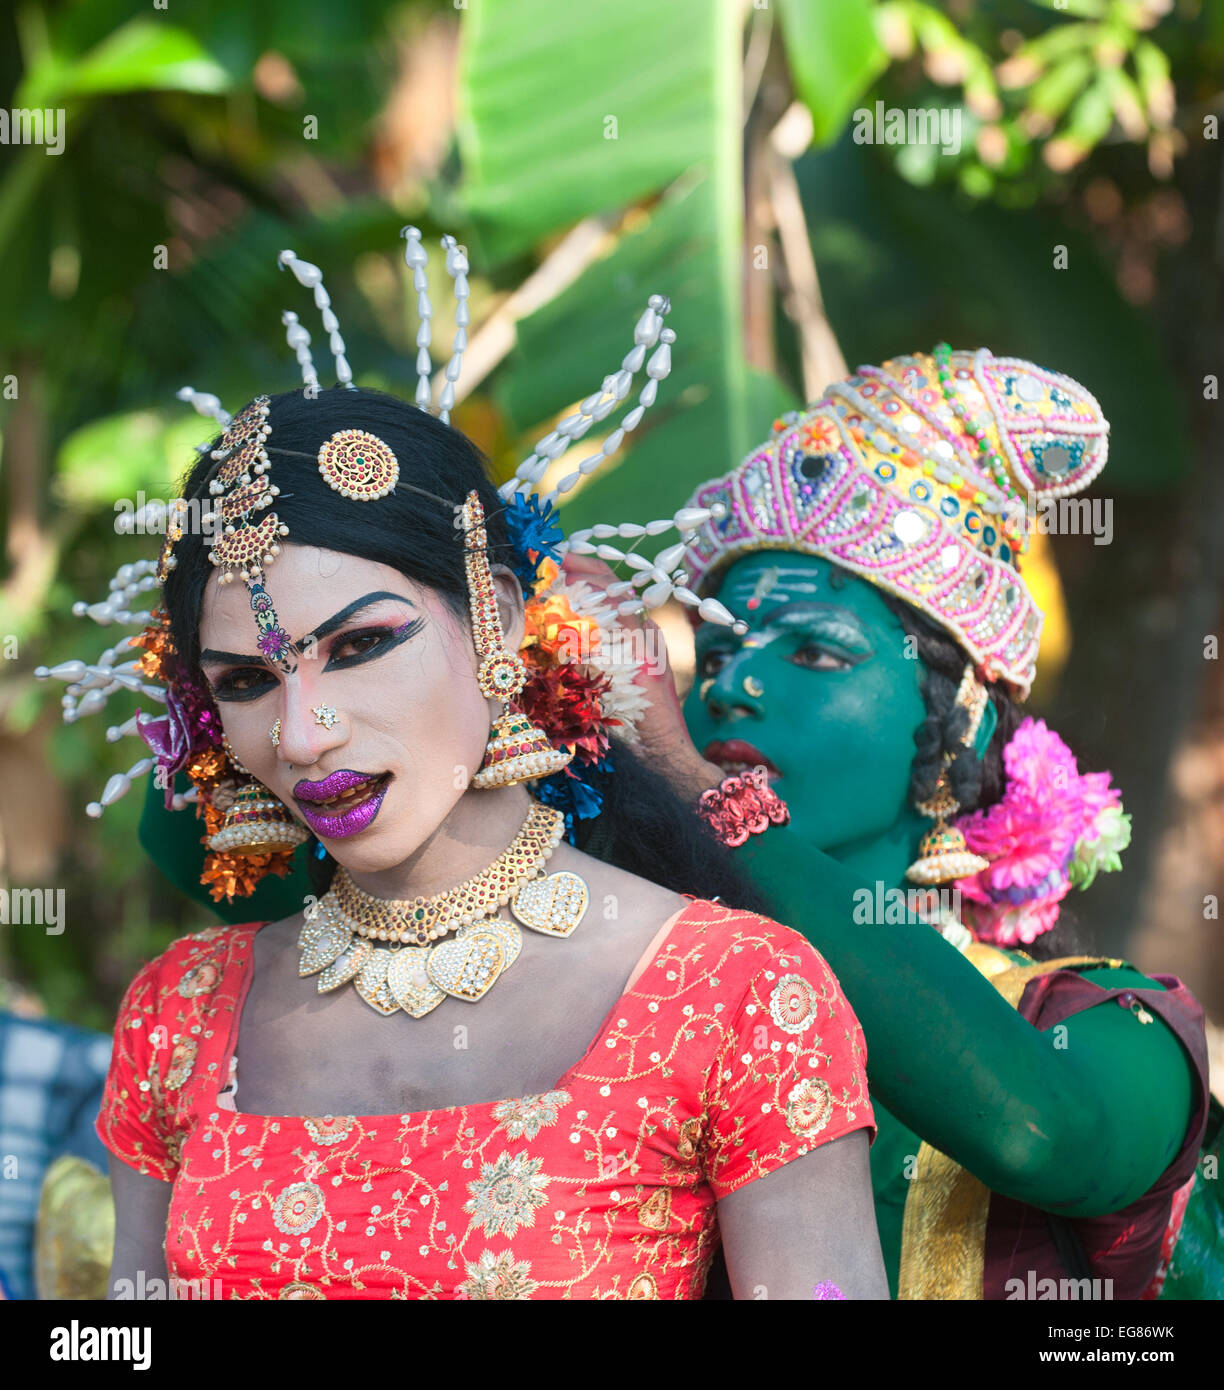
[(1030, 836)]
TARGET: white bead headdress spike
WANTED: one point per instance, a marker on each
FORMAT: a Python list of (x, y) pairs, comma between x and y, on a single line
[(311, 277), (457, 269), (648, 331), (91, 684), (206, 404), (661, 578), (299, 340), (416, 258)]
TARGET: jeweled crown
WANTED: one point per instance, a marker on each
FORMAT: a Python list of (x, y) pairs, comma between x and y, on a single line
[(922, 476)]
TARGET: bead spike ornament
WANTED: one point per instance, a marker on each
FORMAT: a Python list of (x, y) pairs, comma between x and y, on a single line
[(205, 404), (311, 277), (661, 578), (416, 258)]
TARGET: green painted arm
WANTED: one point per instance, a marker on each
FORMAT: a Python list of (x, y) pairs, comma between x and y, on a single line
[(1080, 1129)]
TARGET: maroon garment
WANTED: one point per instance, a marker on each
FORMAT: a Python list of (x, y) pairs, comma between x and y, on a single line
[(1124, 1245)]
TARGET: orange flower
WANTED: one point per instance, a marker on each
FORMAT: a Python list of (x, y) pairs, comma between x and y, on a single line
[(547, 572), (231, 876), (553, 625)]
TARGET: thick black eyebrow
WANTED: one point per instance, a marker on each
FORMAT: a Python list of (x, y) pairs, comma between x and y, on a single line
[(209, 656)]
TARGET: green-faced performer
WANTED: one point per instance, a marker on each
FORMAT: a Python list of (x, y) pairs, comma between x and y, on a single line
[(1041, 1110)]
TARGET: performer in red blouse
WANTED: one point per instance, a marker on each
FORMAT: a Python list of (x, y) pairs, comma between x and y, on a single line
[(731, 1054), (397, 1092)]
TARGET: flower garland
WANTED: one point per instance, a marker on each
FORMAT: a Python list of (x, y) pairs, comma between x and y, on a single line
[(1054, 829), (578, 689)]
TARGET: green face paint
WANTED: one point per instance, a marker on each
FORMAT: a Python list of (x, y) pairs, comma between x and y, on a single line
[(826, 686)]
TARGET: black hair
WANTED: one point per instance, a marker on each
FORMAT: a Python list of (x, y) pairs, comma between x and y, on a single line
[(645, 826), (975, 782)]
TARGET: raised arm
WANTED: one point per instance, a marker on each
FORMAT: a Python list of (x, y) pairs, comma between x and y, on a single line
[(955, 1062)]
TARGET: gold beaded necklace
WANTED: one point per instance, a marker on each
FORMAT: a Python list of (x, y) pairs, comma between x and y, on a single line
[(411, 974)]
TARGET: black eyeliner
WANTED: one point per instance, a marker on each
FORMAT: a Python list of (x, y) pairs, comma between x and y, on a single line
[(390, 638)]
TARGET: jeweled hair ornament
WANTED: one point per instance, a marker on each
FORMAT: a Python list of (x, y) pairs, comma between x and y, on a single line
[(589, 693)]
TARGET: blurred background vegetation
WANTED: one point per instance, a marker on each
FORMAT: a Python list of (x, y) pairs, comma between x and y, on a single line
[(588, 156)]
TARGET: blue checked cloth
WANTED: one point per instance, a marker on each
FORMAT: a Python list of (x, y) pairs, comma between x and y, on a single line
[(51, 1079)]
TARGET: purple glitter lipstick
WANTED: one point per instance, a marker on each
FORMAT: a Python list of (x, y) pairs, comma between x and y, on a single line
[(333, 815)]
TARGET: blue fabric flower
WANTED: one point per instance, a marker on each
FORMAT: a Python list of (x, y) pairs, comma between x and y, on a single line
[(531, 528), (567, 792)]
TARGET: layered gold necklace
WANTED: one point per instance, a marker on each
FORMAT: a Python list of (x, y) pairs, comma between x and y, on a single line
[(344, 937)]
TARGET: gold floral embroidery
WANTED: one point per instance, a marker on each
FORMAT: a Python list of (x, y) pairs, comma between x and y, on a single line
[(690, 1138), (809, 1107), (300, 1290), (506, 1194), (525, 1117), (329, 1129), (498, 1277), (792, 1005), (643, 1286), (182, 1059), (200, 979), (655, 1211), (297, 1208)]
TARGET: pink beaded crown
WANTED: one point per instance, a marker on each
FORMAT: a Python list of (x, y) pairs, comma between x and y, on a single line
[(922, 476)]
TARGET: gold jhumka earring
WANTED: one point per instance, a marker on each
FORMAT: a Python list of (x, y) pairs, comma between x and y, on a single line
[(942, 853), (255, 821), (517, 750)]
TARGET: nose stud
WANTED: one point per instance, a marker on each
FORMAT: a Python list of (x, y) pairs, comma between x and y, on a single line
[(324, 714), (753, 687), (274, 734)]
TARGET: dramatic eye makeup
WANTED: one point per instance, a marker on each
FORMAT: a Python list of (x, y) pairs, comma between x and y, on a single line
[(249, 677)]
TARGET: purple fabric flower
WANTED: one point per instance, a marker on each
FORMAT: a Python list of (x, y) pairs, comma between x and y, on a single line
[(188, 725)]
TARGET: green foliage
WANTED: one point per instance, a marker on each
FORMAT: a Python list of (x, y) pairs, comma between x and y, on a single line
[(618, 117), (834, 53)]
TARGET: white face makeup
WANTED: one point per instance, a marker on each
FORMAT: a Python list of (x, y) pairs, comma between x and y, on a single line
[(399, 670)]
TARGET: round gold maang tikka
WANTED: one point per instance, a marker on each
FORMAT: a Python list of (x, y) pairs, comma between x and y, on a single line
[(358, 465)]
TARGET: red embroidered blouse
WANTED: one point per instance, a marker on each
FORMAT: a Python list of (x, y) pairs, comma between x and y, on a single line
[(733, 1053)]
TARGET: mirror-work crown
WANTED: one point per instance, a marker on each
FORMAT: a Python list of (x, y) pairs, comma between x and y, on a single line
[(922, 476)]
